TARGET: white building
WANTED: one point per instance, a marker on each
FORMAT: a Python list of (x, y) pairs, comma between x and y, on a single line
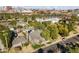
[(53, 19), (27, 12)]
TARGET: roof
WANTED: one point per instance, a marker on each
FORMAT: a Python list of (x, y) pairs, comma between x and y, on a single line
[(35, 36), (19, 41)]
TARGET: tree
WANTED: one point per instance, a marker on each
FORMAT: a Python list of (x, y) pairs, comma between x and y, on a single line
[(63, 31), (74, 18), (63, 22), (13, 23), (40, 25), (53, 31), (46, 23), (69, 23), (73, 48), (71, 26), (5, 38), (25, 19), (4, 35), (45, 34), (2, 27), (2, 38), (7, 16), (33, 17), (36, 25)]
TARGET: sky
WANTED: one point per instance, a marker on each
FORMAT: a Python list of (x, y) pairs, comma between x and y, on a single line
[(48, 7), (52, 7)]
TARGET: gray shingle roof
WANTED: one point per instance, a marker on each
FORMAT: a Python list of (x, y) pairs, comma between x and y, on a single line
[(19, 41), (35, 36)]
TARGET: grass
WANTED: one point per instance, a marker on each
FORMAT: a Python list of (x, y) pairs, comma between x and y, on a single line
[(35, 46), (49, 42), (25, 44)]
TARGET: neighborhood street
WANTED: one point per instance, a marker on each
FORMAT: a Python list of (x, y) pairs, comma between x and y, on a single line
[(53, 47)]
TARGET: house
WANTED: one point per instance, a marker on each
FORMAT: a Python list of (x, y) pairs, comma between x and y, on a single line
[(35, 37), (18, 41)]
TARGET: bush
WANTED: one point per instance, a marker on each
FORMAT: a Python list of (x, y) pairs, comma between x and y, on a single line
[(35, 46)]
